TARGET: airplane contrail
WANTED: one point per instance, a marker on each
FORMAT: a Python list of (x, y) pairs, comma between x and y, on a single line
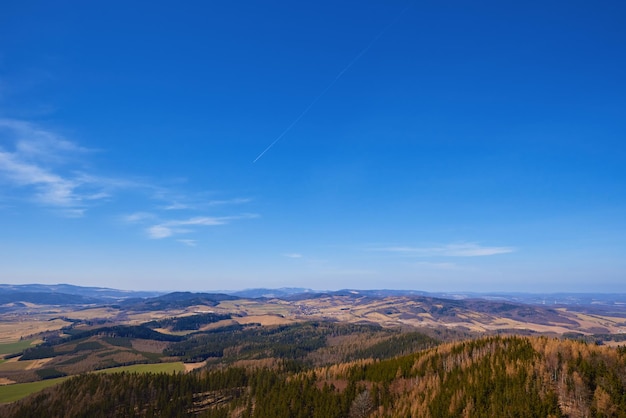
[(341, 73)]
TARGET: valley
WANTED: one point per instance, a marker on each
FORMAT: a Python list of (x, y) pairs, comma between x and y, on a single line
[(198, 333)]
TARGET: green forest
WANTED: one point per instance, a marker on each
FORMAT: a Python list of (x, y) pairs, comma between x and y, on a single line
[(494, 376)]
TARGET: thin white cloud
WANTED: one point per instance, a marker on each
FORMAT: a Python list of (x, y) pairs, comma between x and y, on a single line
[(49, 188), (73, 213), (293, 255), (31, 158), (468, 249), (182, 226), (202, 221), (36, 143), (177, 206), (198, 204), (138, 217), (188, 242), (236, 201), (161, 231), (45, 168)]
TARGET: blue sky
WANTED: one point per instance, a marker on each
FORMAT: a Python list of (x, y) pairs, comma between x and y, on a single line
[(470, 146)]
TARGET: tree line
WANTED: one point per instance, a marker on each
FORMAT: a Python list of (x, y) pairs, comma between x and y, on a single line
[(500, 376)]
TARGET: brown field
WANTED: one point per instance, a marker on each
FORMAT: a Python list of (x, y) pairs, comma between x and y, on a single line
[(35, 364), (136, 318), (407, 312), (388, 312), (264, 320), (94, 313), (611, 324), (219, 324), (170, 332), (193, 366), (13, 330), (253, 307), (149, 346), (13, 365)]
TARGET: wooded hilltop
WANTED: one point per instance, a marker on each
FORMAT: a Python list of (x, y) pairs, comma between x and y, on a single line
[(495, 376)]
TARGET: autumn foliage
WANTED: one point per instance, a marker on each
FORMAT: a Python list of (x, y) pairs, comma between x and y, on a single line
[(487, 377)]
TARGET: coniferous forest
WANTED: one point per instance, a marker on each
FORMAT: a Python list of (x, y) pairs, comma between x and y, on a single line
[(495, 376)]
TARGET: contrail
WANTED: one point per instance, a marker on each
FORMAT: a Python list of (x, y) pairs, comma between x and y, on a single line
[(341, 73)]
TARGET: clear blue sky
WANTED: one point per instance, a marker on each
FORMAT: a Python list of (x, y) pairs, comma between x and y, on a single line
[(440, 146)]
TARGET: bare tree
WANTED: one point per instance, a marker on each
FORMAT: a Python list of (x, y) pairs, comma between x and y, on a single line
[(361, 405)]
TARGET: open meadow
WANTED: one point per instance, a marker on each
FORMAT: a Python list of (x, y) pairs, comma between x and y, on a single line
[(14, 392)]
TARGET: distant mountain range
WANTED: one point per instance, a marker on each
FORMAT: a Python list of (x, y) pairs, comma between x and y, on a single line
[(67, 294), (176, 300), (283, 292), (561, 298)]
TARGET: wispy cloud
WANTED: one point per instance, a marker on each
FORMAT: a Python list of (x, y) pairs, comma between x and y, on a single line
[(158, 223), (199, 204), (52, 188), (47, 169), (468, 249), (34, 159), (37, 143), (188, 242), (235, 201), (138, 217), (293, 255), (162, 231), (183, 226), (177, 206)]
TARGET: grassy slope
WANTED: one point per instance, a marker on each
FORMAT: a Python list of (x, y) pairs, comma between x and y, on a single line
[(11, 393), (15, 347), (173, 367)]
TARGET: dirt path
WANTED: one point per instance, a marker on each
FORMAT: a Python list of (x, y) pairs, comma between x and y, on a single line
[(37, 363), (192, 366)]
